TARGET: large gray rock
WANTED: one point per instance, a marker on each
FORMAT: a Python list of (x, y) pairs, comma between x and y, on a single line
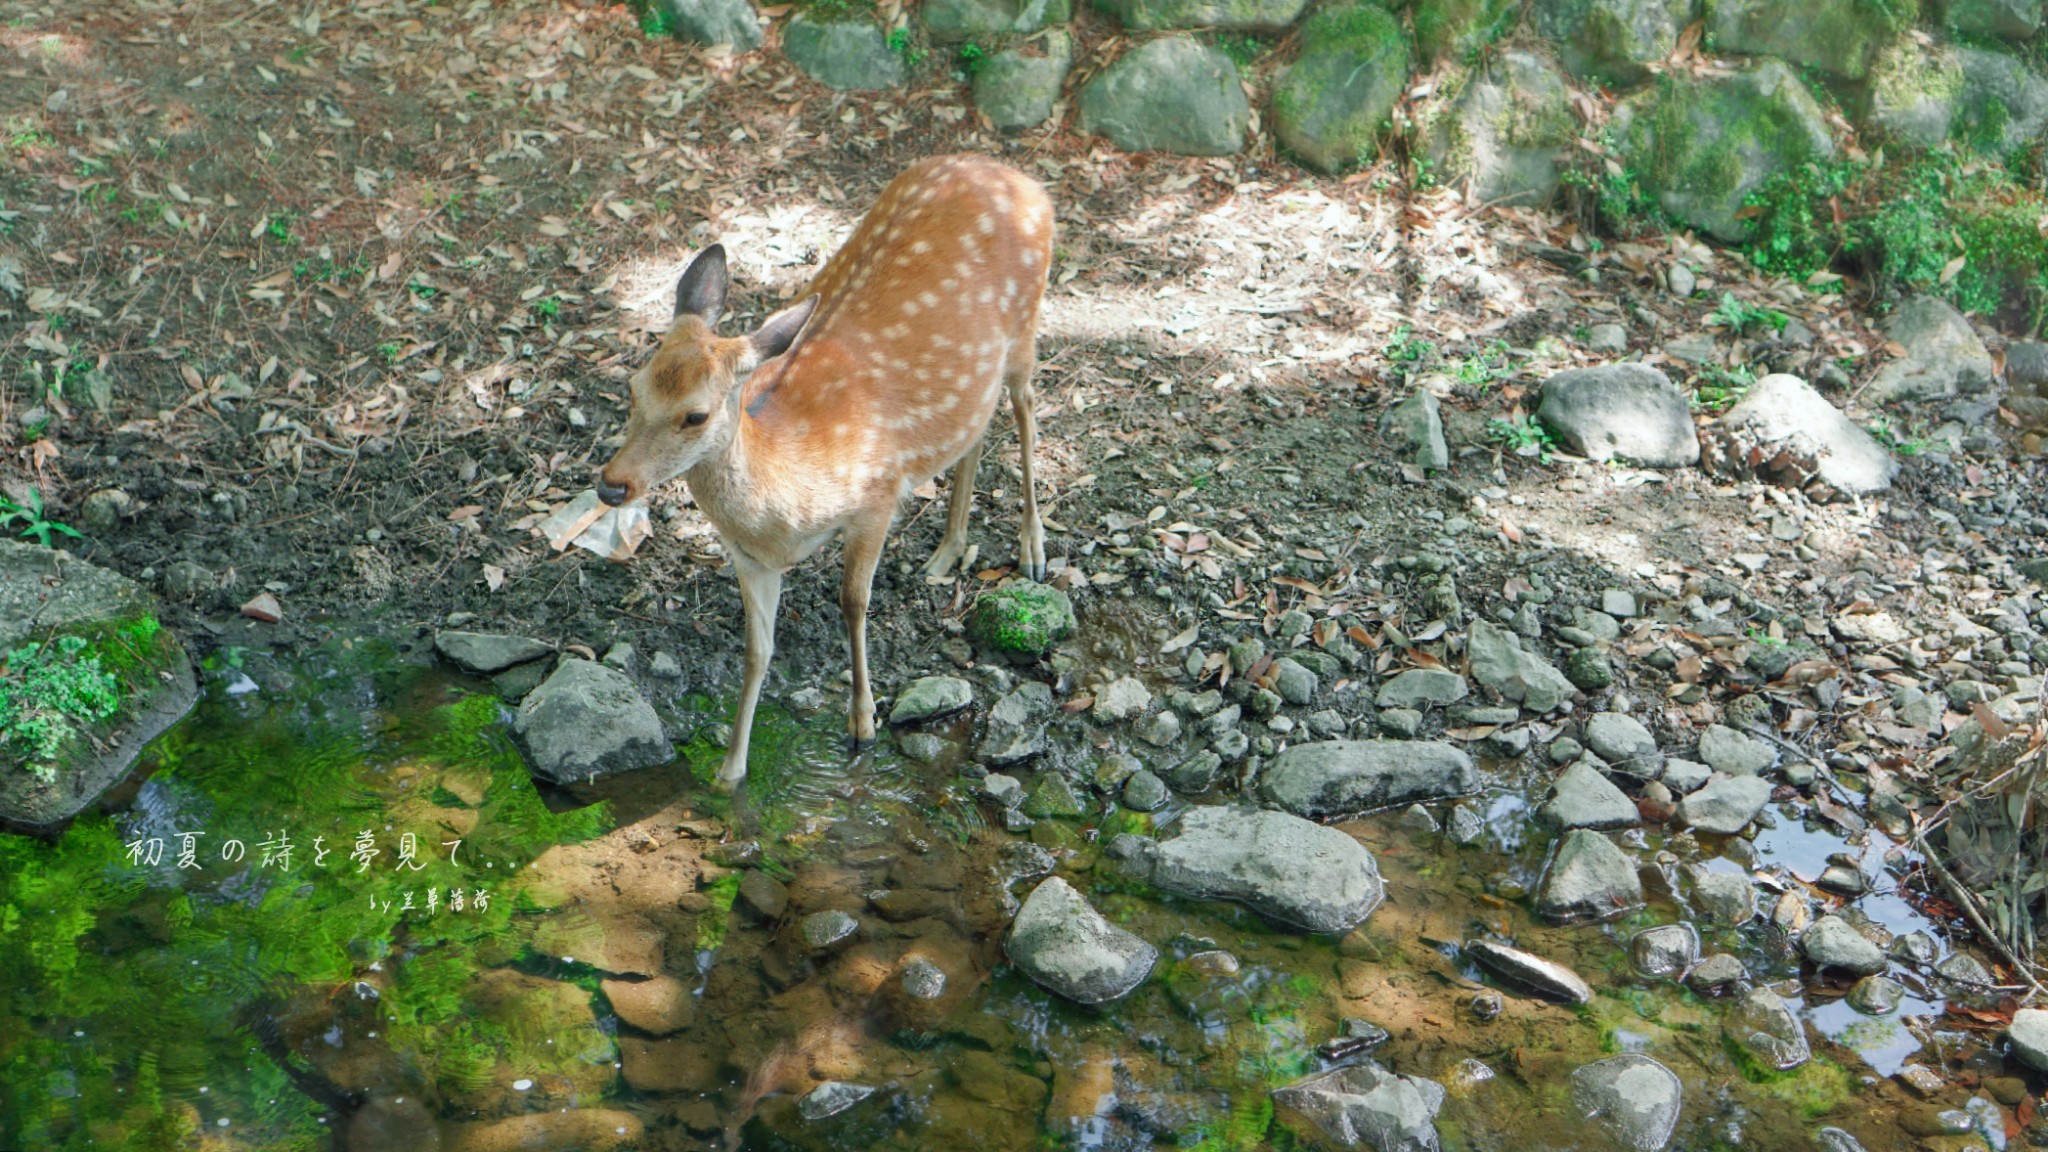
[(1330, 778), (1812, 437), (1504, 134), (1839, 36), (2029, 1037), (1943, 354), (1613, 40), (1634, 1098), (1726, 805), (1060, 941), (1530, 972), (951, 21), (1499, 662), (586, 721), (1763, 1026), (1926, 95), (1018, 87), (1588, 879), (1149, 15), (1169, 95), (1583, 798), (1416, 426), (715, 22), (2005, 19), (1832, 942), (1621, 411), (1332, 105), (1362, 1106), (1623, 742), (1423, 688), (849, 55), (96, 627), (1287, 869), (929, 697), (486, 654), (1701, 145)]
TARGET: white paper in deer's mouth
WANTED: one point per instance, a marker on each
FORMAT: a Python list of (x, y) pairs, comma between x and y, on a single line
[(588, 523)]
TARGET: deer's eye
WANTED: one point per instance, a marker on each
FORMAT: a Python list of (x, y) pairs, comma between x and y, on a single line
[(695, 418)]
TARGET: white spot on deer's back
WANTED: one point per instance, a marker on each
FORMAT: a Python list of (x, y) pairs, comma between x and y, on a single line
[(986, 224)]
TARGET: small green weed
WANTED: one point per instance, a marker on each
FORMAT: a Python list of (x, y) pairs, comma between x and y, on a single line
[(30, 515), (1484, 370), (390, 350), (47, 692), (280, 228), (1739, 317), (900, 43), (1718, 389), (973, 58), (548, 307), (1523, 437), (1906, 444), (1243, 49), (1408, 348)]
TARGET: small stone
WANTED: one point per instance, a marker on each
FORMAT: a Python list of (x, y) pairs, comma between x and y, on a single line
[(1564, 750), (1021, 620), (1634, 1098), (822, 930), (2029, 1037), (929, 697), (764, 894), (1715, 974), (1402, 723), (1158, 729), (1546, 978), (1589, 669), (263, 608), (1618, 603), (1876, 995), (1724, 897), (1246, 653), (485, 654), (923, 747), (1726, 805), (1006, 791), (187, 580), (1061, 942), (1916, 948), (1762, 1025), (1195, 774), (1053, 797), (1121, 700), (1144, 792), (830, 1098), (1624, 743), (1730, 752), (1582, 798), (1922, 1080), (1680, 280), (1334, 1109), (1465, 825), (1419, 688), (1588, 879), (1832, 942), (1683, 776), (1607, 339), (1295, 683), (923, 980), (1666, 950), (1416, 818), (1113, 770), (665, 667)]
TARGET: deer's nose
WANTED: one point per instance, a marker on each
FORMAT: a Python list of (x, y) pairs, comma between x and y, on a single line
[(610, 493)]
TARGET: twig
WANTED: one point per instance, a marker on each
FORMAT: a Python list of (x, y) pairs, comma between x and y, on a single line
[(1968, 902)]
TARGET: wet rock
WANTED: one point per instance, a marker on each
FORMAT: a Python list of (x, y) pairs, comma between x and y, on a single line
[(764, 894), (1943, 354), (1021, 620), (1683, 776), (924, 747), (568, 1130), (656, 1006), (1624, 743), (1696, 149), (1832, 942), (1173, 94), (1158, 729), (1501, 136), (831, 1098), (1016, 725), (1144, 792), (847, 55), (1342, 777), (822, 930), (1811, 436), (586, 721), (1416, 427), (1634, 1098), (1293, 681), (1726, 805), (1589, 669), (1423, 688), (930, 697), (1588, 879), (1122, 699), (1287, 869), (1197, 773), (1363, 1106), (1546, 978), (1724, 897), (1052, 796), (1836, 1140), (1066, 946), (1876, 995), (1465, 825), (1732, 754), (1017, 88), (1716, 974), (1763, 1026), (1499, 662), (2028, 1036), (1623, 411), (1915, 948), (1666, 950), (1582, 798), (1612, 40), (1353, 67)]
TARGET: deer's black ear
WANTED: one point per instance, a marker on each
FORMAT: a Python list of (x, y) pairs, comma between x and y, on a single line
[(779, 331), (700, 290)]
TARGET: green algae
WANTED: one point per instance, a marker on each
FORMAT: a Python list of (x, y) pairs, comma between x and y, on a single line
[(1021, 619)]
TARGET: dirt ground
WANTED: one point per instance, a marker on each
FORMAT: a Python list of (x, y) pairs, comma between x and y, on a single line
[(343, 300)]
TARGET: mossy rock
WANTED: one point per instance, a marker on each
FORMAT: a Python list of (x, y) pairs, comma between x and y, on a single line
[(91, 678), (1504, 130), (1612, 40), (1174, 95), (1225, 14), (2000, 19), (1332, 105), (952, 21), (1449, 29), (1018, 87), (1700, 146), (1983, 101), (714, 22), (1021, 620), (1841, 37), (847, 55)]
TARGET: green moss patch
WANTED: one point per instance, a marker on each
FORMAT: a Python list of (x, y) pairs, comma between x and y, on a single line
[(59, 692), (1021, 619)]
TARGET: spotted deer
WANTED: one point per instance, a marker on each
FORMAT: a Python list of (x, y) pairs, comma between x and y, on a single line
[(824, 418)]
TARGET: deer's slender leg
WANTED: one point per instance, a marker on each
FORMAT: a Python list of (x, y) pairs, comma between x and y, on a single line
[(954, 544), (761, 592), (1030, 532), (864, 542)]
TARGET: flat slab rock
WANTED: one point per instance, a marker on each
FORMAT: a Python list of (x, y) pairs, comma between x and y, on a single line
[(1726, 805), (1063, 944), (1285, 868), (1329, 778), (486, 654)]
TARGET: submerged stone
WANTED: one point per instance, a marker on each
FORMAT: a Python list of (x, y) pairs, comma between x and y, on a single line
[(1666, 950), (1287, 869), (1526, 970), (1876, 995), (1634, 1098), (1764, 1027), (1062, 943), (1832, 942), (1588, 879), (1363, 1106), (831, 1098), (1726, 805)]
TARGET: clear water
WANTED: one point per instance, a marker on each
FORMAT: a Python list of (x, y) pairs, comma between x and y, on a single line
[(248, 1003)]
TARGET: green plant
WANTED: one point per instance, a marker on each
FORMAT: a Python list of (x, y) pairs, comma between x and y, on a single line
[(900, 43), (1523, 436), (1718, 389), (1407, 348), (1739, 317), (973, 58), (1243, 48), (47, 692), (548, 307), (390, 351), (1905, 445), (1483, 370), (30, 515), (1798, 226)]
